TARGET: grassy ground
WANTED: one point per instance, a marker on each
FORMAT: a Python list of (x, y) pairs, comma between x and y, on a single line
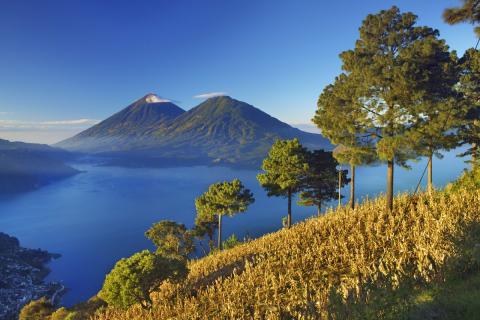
[(456, 299)]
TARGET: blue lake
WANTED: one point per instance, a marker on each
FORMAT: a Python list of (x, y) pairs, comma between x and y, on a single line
[(99, 216)]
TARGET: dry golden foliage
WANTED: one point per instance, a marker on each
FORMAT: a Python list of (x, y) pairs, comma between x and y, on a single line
[(307, 271)]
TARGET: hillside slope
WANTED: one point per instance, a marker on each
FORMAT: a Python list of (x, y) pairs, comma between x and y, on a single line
[(349, 264)]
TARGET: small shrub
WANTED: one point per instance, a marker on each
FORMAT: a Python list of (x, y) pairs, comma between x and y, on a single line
[(470, 180), (231, 242), (39, 309), (133, 279)]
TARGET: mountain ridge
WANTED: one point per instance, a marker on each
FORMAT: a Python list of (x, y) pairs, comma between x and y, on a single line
[(220, 130)]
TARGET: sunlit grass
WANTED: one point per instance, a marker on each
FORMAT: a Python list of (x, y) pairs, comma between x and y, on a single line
[(350, 264)]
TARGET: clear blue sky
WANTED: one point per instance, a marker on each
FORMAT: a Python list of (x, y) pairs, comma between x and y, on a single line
[(64, 61)]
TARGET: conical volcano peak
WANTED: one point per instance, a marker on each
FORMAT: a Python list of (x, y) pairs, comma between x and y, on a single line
[(223, 97), (153, 98)]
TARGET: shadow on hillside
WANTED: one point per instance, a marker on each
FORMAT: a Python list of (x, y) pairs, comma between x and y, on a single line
[(224, 272)]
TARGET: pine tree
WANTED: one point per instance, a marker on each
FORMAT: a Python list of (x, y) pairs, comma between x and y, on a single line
[(223, 198), (469, 86), (205, 225), (171, 238), (468, 12), (436, 111), (354, 155), (393, 65), (343, 120), (320, 184), (285, 169)]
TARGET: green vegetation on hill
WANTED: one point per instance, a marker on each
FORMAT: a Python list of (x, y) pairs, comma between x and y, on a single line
[(230, 131)]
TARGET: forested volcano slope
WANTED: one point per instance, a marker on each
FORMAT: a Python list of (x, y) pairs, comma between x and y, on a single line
[(221, 130)]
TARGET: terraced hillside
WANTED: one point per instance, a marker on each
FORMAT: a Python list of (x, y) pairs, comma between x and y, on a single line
[(350, 264)]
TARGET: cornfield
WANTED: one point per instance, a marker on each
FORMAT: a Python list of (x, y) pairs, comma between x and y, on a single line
[(343, 265)]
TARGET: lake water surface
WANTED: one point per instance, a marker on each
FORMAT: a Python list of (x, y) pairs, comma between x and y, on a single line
[(97, 217)]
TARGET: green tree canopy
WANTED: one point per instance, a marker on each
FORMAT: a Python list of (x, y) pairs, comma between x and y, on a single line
[(437, 109), (231, 242), (63, 314), (469, 86), (205, 225), (468, 12), (133, 279), (171, 238), (343, 119), (223, 198), (354, 155), (40, 309), (320, 184), (285, 169), (396, 67)]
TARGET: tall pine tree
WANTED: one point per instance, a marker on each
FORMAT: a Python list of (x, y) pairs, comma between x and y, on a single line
[(224, 198), (285, 169), (343, 120), (437, 110), (320, 184), (392, 64), (469, 86)]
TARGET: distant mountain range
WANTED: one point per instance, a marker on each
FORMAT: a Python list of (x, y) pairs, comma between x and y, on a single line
[(221, 130), (28, 166)]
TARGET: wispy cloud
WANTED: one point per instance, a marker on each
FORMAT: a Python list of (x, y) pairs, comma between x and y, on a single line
[(71, 122), (46, 125), (210, 95)]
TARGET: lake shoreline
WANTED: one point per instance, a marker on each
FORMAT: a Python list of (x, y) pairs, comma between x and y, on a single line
[(23, 273)]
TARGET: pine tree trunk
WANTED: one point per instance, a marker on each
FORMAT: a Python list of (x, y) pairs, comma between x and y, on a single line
[(210, 240), (219, 232), (474, 155), (352, 186), (319, 210), (430, 173), (390, 186), (289, 218), (203, 248), (340, 187)]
